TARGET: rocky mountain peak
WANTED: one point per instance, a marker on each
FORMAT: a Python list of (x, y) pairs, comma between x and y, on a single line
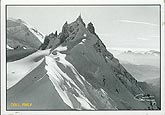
[(91, 28), (48, 40), (55, 34), (80, 20), (65, 26)]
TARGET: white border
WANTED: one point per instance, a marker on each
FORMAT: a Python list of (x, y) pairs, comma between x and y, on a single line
[(44, 2)]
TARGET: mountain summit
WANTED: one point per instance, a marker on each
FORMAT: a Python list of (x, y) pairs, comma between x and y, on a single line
[(22, 35), (74, 70)]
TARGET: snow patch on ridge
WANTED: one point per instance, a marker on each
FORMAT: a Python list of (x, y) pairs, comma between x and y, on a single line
[(8, 47), (67, 88), (17, 70)]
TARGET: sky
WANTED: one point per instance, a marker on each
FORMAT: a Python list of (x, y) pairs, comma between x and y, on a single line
[(126, 27)]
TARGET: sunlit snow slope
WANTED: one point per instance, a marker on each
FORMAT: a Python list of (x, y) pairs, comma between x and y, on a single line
[(73, 89)]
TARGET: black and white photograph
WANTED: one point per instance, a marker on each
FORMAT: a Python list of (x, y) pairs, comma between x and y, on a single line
[(82, 57)]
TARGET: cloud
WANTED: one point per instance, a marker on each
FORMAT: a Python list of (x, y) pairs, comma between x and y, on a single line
[(144, 39), (137, 22)]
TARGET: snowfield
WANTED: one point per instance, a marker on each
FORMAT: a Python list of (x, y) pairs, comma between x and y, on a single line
[(70, 85), (70, 88), (19, 69)]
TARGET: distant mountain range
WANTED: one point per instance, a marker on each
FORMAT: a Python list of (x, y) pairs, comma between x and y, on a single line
[(150, 52), (143, 72), (151, 57)]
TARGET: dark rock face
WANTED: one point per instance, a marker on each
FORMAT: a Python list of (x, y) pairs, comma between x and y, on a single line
[(64, 33), (49, 40), (127, 79), (69, 32), (91, 28), (51, 37), (80, 20), (45, 44), (120, 72), (55, 35)]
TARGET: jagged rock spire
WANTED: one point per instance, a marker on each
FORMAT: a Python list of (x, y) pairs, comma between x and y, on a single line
[(80, 20), (51, 35), (55, 34), (66, 23), (64, 28), (79, 17), (91, 28), (64, 34)]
